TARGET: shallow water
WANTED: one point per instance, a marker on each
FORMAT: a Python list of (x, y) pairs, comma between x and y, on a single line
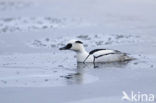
[(31, 64)]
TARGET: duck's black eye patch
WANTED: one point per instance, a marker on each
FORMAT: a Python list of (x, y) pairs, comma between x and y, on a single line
[(68, 46), (78, 42)]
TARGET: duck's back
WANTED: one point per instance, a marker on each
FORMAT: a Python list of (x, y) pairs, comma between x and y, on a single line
[(106, 55)]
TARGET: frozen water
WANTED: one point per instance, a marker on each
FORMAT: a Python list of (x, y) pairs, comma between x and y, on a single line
[(33, 69)]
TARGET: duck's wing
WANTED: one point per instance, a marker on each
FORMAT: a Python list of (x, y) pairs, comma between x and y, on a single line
[(102, 52)]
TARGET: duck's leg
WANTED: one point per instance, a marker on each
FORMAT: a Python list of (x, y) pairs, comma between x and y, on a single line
[(94, 59), (94, 62)]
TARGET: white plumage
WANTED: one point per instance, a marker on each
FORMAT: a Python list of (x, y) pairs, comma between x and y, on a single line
[(97, 55)]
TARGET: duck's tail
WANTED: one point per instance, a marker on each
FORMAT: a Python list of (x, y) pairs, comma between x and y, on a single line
[(128, 58)]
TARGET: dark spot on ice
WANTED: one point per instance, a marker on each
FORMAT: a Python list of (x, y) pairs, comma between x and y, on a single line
[(53, 45), (85, 45), (39, 22), (77, 73), (109, 39), (38, 43), (152, 66), (95, 67), (47, 39), (8, 19), (119, 36), (55, 71), (45, 27), (99, 43), (18, 73), (136, 63), (108, 42), (3, 81), (84, 37), (46, 80), (60, 66), (96, 36), (68, 77)]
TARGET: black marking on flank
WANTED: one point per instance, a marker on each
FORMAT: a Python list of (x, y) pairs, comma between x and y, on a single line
[(93, 51), (97, 56), (86, 58), (79, 42), (104, 55)]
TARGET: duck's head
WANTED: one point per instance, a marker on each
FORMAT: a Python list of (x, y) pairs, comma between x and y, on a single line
[(74, 45)]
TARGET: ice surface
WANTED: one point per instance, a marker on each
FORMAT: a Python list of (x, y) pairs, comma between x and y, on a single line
[(33, 70)]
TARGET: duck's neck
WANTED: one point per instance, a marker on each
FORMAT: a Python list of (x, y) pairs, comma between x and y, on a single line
[(81, 55)]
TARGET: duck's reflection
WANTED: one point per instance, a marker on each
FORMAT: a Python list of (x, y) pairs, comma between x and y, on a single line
[(78, 76), (83, 72)]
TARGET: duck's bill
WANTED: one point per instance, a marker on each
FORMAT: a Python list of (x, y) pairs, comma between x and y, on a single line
[(68, 46), (63, 48)]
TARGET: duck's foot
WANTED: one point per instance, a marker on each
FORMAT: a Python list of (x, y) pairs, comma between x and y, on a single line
[(95, 66)]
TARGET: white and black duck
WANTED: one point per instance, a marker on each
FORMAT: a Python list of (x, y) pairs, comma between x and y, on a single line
[(97, 55)]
